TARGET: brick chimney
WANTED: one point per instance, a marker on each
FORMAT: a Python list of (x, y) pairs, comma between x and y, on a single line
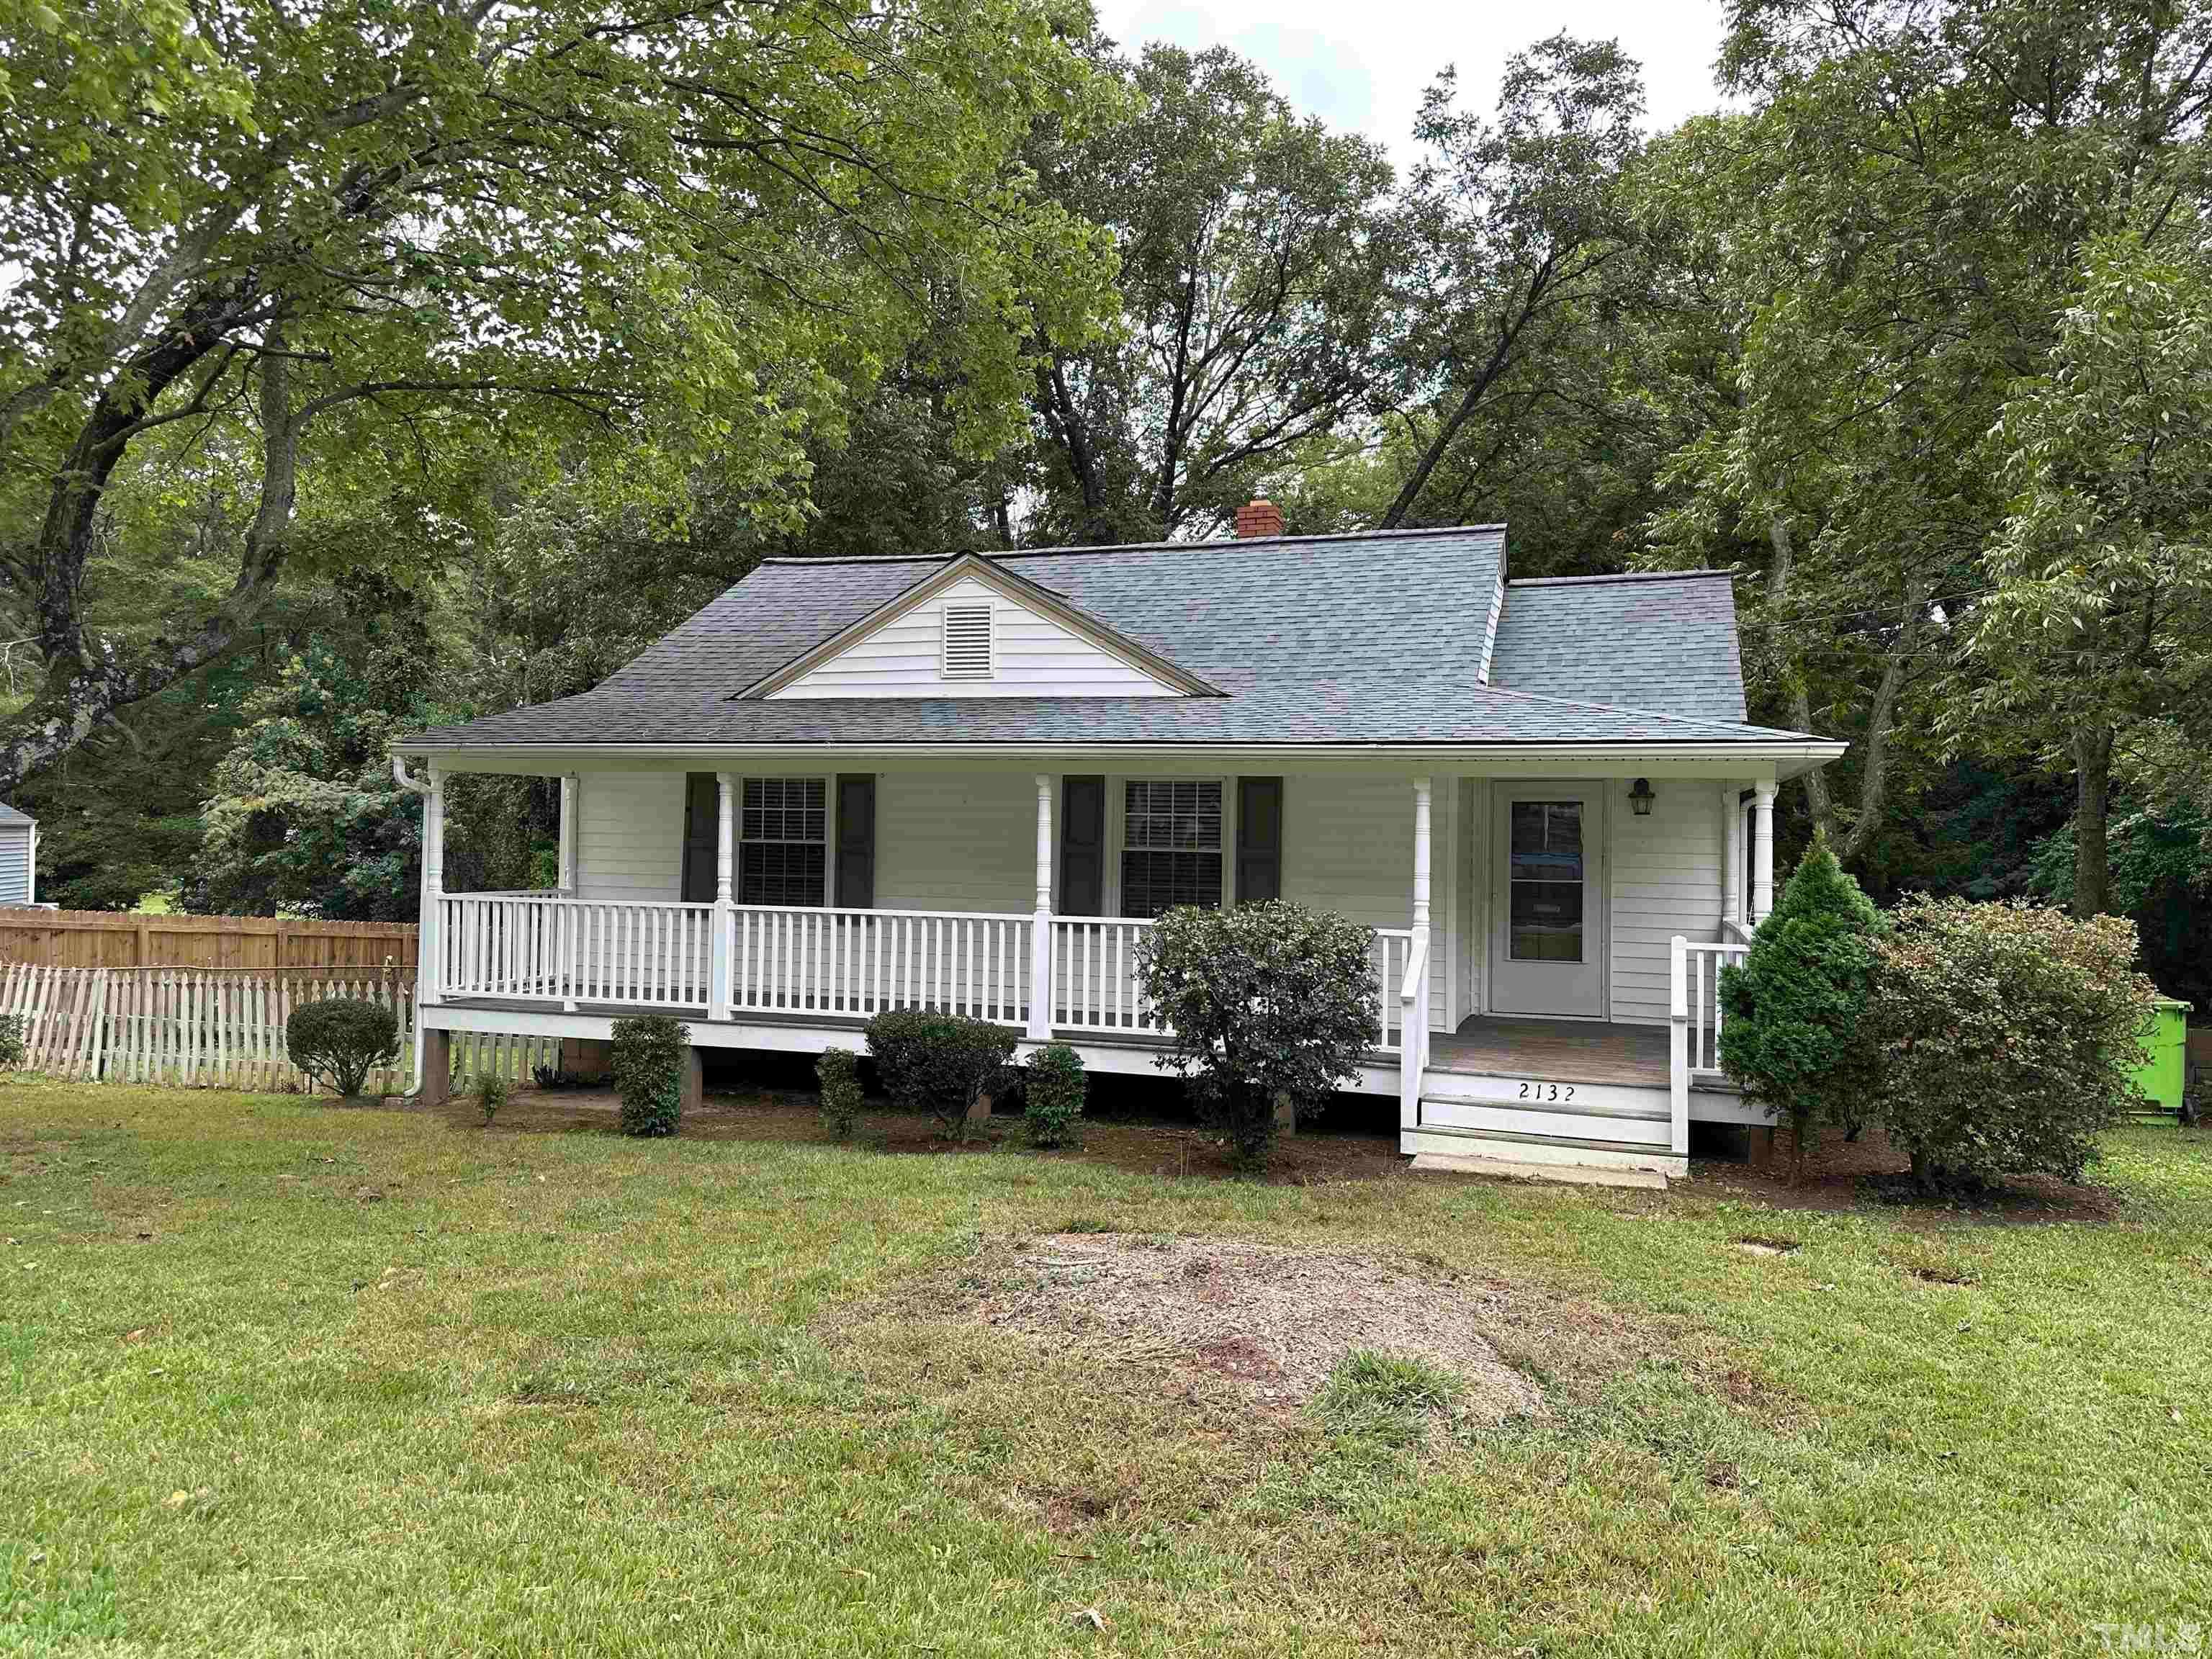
[(1259, 518)]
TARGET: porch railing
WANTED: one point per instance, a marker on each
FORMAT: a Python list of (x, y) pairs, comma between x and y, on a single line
[(555, 948), (552, 948), (1694, 1017), (862, 962)]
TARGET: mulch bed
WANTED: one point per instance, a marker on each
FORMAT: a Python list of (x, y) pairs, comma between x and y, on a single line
[(1836, 1175)]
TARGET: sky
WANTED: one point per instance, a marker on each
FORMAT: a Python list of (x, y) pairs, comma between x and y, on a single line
[(1362, 67)]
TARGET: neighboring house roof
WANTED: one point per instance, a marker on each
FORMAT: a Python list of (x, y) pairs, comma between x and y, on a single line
[(1369, 639), (10, 815)]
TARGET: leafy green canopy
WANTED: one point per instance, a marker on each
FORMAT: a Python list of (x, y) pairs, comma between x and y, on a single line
[(1789, 1030), (320, 260)]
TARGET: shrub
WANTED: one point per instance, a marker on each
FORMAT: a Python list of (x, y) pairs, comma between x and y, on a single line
[(2007, 1034), (648, 1060), (342, 1039), (938, 1063), (839, 1070), (13, 1052), (1793, 1006), (491, 1092), (1053, 1086), (1263, 1002)]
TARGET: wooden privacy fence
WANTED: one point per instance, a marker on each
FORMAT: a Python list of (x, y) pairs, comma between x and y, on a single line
[(217, 1028), (103, 938)]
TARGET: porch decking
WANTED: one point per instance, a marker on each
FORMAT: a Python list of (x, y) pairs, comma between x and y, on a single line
[(1555, 1050)]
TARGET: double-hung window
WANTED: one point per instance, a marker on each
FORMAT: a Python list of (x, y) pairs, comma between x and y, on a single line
[(1170, 844), (783, 849)]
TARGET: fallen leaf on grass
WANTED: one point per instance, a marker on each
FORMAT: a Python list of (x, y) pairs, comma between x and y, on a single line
[(1089, 1616)]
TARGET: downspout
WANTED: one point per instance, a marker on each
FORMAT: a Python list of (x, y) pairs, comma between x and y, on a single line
[(416, 786)]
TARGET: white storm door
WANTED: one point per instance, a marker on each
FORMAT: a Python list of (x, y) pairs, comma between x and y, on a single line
[(1547, 936)]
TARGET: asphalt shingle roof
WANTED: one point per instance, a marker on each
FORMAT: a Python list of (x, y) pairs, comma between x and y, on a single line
[(1363, 639), (10, 815)]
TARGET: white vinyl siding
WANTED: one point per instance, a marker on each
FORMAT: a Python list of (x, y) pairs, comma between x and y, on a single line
[(1032, 656), (629, 834), (1348, 847), (1666, 879), (1471, 916), (952, 841), (16, 885)]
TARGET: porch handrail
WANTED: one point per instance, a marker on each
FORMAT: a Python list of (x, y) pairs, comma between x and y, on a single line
[(1693, 1020)]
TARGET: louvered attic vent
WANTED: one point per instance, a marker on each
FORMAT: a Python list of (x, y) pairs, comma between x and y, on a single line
[(967, 642)]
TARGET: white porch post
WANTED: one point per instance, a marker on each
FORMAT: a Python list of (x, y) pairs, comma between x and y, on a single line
[(721, 943), (1731, 855), (1413, 1012), (567, 879), (570, 937), (430, 937), (1678, 1046), (1040, 1025), (1762, 854)]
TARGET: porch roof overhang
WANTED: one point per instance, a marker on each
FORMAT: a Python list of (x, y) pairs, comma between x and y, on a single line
[(1786, 756)]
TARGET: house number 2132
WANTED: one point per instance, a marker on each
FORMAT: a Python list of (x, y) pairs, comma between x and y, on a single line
[(1548, 1092)]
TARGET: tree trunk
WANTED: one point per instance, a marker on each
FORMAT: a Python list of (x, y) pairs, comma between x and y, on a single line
[(2093, 782)]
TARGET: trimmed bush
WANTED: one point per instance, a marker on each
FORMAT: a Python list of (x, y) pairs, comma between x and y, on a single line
[(341, 1039), (1264, 1001), (648, 1060), (2008, 1036), (939, 1064), (1793, 1007), (1053, 1087), (491, 1092), (13, 1052), (839, 1070)]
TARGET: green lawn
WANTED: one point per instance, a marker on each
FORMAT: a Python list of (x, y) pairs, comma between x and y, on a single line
[(283, 1376)]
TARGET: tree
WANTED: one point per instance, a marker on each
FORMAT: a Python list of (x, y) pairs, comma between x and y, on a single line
[(1262, 1003), (1793, 1006), (1514, 232), (1895, 222), (2100, 623), (332, 256), (1253, 250)]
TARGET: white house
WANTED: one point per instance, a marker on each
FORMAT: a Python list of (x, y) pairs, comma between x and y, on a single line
[(19, 857), (851, 784)]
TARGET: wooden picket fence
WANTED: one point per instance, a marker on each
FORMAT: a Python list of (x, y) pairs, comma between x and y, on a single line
[(218, 1028), (103, 938)]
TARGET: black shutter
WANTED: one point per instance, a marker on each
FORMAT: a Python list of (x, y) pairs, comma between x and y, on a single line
[(1082, 847), (703, 836), (1259, 839), (856, 841)]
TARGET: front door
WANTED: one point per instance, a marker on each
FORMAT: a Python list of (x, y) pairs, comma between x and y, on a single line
[(1548, 912)]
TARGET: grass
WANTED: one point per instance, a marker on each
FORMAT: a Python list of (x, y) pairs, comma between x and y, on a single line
[(281, 1375)]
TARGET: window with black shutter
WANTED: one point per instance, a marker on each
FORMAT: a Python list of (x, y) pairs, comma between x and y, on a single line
[(1170, 844), (783, 851)]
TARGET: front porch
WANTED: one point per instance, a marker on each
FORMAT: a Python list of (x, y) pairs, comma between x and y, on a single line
[(1619, 1085)]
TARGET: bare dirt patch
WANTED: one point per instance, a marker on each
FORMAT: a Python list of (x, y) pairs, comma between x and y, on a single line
[(1265, 1322)]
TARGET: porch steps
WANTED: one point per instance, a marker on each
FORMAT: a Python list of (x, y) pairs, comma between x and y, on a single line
[(1567, 1147)]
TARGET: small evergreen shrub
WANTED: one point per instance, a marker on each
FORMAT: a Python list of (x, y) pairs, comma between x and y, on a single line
[(1792, 1007), (341, 1039), (1262, 1001), (1052, 1088), (491, 1092), (648, 1060), (839, 1070), (2008, 1036), (13, 1050), (939, 1064)]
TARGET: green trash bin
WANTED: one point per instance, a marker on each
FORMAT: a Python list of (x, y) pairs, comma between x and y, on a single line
[(2163, 1070)]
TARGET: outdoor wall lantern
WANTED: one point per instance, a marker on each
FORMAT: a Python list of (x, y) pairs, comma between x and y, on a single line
[(1641, 798)]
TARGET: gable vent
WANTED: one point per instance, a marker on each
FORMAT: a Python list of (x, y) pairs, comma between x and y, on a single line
[(967, 642)]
